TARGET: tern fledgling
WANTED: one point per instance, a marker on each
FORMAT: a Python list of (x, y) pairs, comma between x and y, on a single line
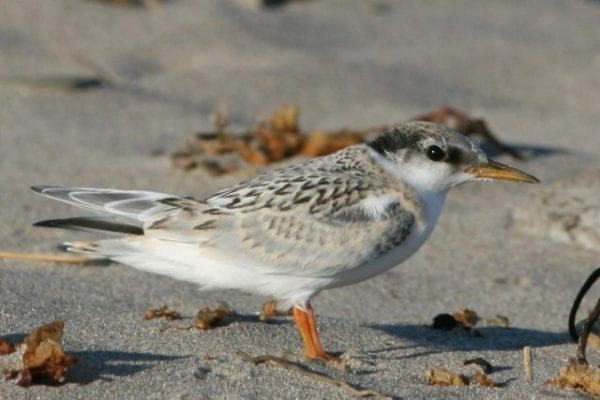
[(293, 232)]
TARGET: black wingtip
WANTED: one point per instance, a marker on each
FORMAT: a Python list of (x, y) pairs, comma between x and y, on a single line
[(48, 223), (39, 188), (91, 223)]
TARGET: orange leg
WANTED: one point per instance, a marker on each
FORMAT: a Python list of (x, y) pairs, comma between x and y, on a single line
[(307, 325)]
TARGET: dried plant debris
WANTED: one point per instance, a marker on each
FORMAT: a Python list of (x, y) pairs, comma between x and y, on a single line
[(208, 318), (271, 140), (162, 312), (466, 319), (577, 375), (269, 311), (321, 377), (280, 137), (444, 322), (482, 379), (6, 347), (485, 365), (444, 377), (40, 355)]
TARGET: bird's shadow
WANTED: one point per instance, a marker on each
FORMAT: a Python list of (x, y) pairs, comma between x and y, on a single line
[(492, 339), (106, 365)]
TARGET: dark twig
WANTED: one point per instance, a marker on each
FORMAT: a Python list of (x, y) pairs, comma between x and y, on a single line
[(589, 323), (585, 333), (291, 366), (577, 302), (486, 367)]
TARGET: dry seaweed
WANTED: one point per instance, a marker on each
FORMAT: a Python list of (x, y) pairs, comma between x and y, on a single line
[(577, 375), (485, 365), (269, 311), (40, 355), (482, 379), (280, 137), (443, 377), (208, 318), (444, 322), (291, 366), (162, 312), (6, 347), (320, 143), (466, 319)]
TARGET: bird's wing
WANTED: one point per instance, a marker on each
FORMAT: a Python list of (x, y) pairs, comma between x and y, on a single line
[(319, 215), (135, 207), (299, 243)]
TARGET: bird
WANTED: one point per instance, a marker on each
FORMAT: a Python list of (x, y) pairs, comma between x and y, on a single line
[(292, 232)]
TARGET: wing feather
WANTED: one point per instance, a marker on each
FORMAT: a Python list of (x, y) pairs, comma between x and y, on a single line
[(129, 205)]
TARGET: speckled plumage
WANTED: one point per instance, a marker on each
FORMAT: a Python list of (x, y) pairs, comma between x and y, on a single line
[(291, 216)]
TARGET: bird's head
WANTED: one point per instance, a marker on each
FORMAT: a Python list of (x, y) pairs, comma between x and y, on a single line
[(433, 157)]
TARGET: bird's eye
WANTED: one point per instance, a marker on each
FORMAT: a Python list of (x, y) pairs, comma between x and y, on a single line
[(435, 153)]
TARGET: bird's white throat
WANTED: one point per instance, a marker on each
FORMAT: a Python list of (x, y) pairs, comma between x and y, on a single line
[(432, 196)]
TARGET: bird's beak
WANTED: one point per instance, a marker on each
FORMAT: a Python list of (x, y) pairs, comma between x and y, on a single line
[(499, 171)]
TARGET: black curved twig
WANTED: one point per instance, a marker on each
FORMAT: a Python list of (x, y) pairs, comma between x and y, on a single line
[(594, 315), (582, 292), (586, 332)]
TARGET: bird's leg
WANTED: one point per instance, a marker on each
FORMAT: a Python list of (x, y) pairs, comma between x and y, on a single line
[(307, 325)]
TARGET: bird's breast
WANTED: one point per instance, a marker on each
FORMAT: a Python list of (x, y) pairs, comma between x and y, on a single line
[(420, 232)]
